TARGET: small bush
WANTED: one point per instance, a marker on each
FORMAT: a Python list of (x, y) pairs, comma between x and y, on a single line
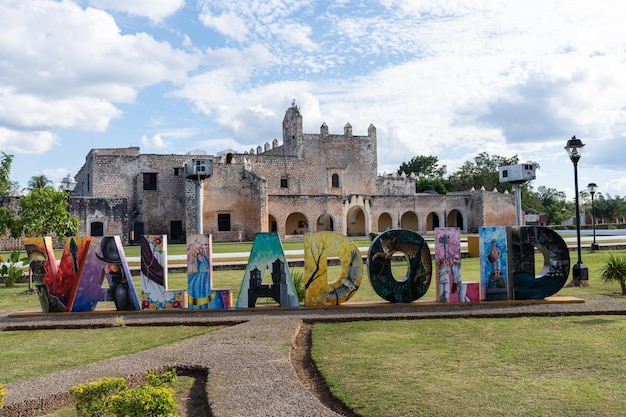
[(10, 272), (297, 276), (144, 401), (614, 270), (111, 396), (92, 399), (2, 394), (165, 378)]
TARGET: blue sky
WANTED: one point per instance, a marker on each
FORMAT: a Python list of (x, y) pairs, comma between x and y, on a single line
[(436, 77)]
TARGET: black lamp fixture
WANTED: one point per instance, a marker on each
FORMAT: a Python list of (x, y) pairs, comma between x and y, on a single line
[(592, 187), (580, 272)]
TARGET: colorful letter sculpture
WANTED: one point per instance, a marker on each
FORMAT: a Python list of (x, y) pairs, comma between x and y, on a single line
[(121, 287), (155, 294), (76, 285), (450, 285), (202, 295), (507, 270), (493, 263), (317, 248), (56, 286), (522, 243), (419, 269), (267, 254)]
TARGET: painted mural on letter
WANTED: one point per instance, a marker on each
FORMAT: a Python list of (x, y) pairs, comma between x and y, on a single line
[(556, 262), (202, 295), (267, 257), (155, 292), (418, 265), (450, 285), (317, 248), (493, 263)]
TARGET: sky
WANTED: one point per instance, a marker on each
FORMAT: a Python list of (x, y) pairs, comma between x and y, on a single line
[(436, 77)]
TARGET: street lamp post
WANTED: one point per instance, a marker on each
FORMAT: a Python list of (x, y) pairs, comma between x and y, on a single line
[(580, 273), (592, 187), (68, 184)]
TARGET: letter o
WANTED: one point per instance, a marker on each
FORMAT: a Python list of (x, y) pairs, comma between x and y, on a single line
[(419, 272)]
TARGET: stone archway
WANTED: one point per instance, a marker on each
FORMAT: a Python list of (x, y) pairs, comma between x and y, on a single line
[(409, 221), (432, 221), (296, 224), (356, 222), (325, 223), (385, 222), (455, 219)]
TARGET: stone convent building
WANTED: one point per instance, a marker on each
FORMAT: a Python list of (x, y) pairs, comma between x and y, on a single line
[(310, 182)]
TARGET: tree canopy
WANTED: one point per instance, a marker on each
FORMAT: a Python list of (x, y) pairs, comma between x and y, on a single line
[(39, 181), (429, 175), (41, 212), (482, 172), (423, 167), (7, 187)]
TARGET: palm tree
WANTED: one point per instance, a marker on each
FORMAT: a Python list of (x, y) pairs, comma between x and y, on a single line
[(39, 181), (614, 270)]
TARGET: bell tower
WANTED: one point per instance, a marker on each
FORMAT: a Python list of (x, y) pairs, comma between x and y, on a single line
[(292, 131)]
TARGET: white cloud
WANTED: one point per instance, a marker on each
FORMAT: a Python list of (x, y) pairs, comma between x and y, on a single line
[(26, 142), (32, 112), (155, 10), (228, 24), (155, 142), (68, 66)]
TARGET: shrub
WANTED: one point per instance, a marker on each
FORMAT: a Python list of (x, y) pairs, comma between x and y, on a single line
[(614, 270), (297, 276), (11, 271), (164, 378), (2, 394), (92, 399), (144, 401)]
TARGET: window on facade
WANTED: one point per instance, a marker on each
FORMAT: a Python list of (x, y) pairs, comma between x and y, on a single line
[(177, 171), (335, 181), (97, 229), (150, 181), (176, 231), (283, 183), (223, 222)]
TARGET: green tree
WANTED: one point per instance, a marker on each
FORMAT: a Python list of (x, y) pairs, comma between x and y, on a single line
[(429, 175), (530, 200), (7, 187), (39, 181), (43, 212), (553, 202), (482, 172), (609, 208), (423, 167), (440, 185)]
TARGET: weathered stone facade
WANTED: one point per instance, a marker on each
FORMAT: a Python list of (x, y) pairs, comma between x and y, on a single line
[(311, 182)]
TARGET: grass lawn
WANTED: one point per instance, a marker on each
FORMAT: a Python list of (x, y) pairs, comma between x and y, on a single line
[(529, 366), (27, 354)]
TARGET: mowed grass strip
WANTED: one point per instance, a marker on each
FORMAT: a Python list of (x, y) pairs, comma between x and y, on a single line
[(553, 366), (28, 354)]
